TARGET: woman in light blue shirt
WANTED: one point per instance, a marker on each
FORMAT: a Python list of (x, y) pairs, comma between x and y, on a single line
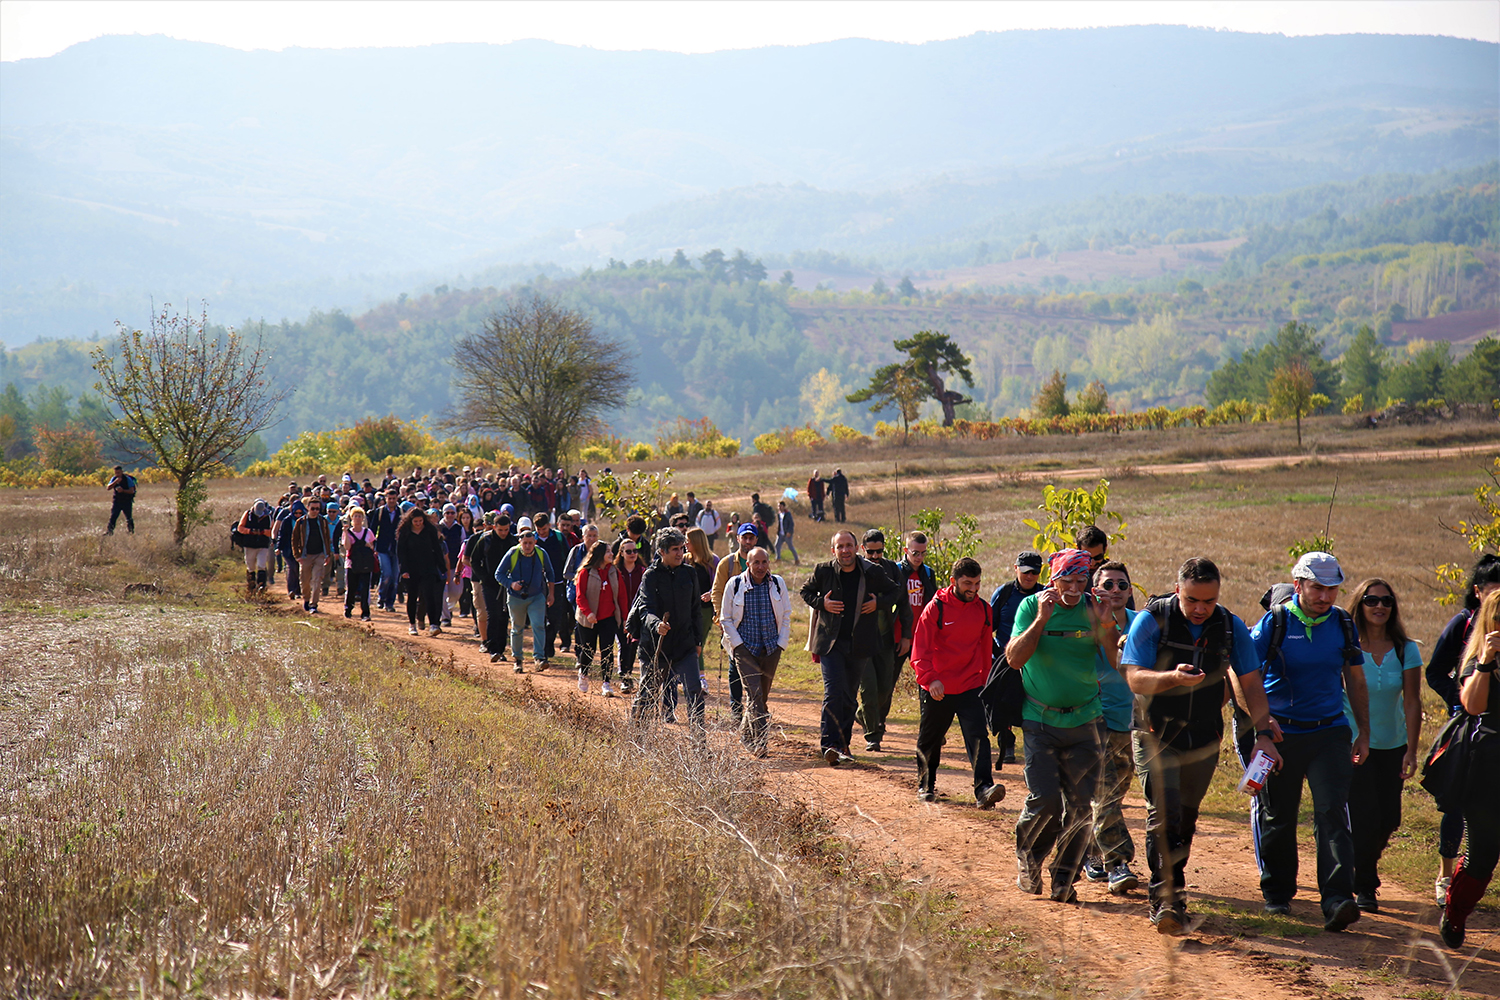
[(1393, 672)]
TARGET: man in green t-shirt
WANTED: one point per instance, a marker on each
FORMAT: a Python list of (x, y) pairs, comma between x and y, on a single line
[(1057, 634)]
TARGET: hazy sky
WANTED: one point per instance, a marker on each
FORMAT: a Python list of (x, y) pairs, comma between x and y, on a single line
[(33, 28)]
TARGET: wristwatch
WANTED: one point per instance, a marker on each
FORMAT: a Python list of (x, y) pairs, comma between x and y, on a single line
[(1269, 734)]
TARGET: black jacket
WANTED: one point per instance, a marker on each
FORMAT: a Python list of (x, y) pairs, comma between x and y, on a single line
[(894, 607), (825, 625), (670, 595), (421, 555)]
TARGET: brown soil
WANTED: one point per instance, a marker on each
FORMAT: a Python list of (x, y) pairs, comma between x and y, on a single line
[(1106, 944), (1466, 327)]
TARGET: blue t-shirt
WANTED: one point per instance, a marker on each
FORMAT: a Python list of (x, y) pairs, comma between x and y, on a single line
[(1306, 682), (1386, 682), (1115, 695), (1144, 637)]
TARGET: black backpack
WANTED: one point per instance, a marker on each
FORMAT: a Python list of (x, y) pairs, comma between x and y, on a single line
[(361, 556)]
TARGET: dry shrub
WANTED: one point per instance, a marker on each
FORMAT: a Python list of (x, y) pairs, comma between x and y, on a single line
[(227, 808)]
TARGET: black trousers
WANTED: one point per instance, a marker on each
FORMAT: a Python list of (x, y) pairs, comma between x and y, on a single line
[(1174, 782), (932, 733), (1322, 760), (1374, 813), (424, 597), (358, 591), (497, 624), (126, 506), (838, 509), (597, 641)]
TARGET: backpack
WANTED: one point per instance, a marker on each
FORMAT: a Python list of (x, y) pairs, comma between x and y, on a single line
[(361, 556), (1276, 599)]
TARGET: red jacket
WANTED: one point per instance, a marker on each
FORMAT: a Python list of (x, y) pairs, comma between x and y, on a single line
[(958, 654)]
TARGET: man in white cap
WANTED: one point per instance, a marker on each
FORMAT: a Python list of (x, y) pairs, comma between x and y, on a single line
[(1311, 659)]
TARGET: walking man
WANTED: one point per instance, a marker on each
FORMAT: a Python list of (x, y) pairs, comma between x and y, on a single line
[(843, 594), (122, 488), (526, 575), (665, 616), (386, 520), (1004, 602), (1057, 634), (757, 623), (1177, 656), (1310, 653), (312, 546), (815, 491), (950, 657), (893, 619), (838, 492), (785, 528), (711, 523), (729, 567)]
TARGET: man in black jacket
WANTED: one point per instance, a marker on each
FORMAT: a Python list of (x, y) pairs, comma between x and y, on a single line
[(666, 617), (1003, 603), (384, 521), (894, 616), (844, 594), (838, 492), (485, 551)]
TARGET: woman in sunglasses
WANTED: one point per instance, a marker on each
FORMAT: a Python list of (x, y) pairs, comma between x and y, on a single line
[(1393, 673)]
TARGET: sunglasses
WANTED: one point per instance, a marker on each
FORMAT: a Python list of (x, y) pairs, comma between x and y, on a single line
[(1373, 601), (869, 551), (1114, 585), (628, 551)]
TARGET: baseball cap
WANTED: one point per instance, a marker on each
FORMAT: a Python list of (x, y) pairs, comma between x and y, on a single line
[(524, 524), (1320, 567), (747, 529), (1031, 560)]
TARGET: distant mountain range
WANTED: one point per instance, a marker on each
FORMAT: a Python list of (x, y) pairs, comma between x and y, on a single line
[(271, 183)]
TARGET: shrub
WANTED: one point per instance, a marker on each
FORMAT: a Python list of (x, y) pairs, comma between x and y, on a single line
[(73, 449), (1355, 404), (770, 443), (638, 452), (374, 437), (596, 454), (847, 435), (725, 447), (677, 449)]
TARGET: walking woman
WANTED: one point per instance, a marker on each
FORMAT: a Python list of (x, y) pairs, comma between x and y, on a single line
[(1442, 677), (631, 569), (420, 554), (359, 563), (1393, 670), (255, 532), (1479, 694), (601, 614), (467, 602)]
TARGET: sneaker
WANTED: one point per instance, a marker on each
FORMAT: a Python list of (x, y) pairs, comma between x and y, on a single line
[(1122, 879), (872, 746), (989, 795), (1170, 920), (313, 610), (435, 630), (1064, 893), (1028, 876), (627, 685), (411, 630), (703, 681), (497, 657), (1367, 902), (364, 618), (1094, 870), (583, 682), (927, 795), (1440, 888), (832, 756), (1342, 916), (1278, 909), (447, 623), (606, 690), (541, 666), (1451, 933)]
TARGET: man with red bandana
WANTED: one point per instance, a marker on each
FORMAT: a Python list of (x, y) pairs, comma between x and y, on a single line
[(951, 659), (1056, 637)]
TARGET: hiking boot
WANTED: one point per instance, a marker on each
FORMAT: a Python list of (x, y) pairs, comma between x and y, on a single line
[(1278, 909), (872, 746), (583, 682), (1170, 920), (1064, 893), (1367, 902), (1122, 879), (1028, 876), (1440, 888), (1451, 933), (832, 756), (1342, 916), (541, 666), (1094, 870), (989, 795)]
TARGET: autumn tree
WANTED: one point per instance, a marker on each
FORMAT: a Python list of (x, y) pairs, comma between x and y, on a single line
[(1052, 399), (539, 373), (1291, 392), (189, 397)]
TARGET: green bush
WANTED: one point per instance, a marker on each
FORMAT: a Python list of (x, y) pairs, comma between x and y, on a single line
[(638, 452), (596, 454)]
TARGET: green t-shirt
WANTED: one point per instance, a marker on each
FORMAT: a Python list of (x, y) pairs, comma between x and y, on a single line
[(1061, 672)]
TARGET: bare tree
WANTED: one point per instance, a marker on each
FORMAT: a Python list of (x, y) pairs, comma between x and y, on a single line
[(538, 373), (188, 397)]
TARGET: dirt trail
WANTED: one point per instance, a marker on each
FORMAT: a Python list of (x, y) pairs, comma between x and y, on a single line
[(1106, 942), (1160, 469)]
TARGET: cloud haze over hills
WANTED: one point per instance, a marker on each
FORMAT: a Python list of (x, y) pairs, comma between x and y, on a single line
[(274, 182)]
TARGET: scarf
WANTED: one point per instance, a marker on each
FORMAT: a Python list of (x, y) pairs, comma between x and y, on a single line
[(1306, 619)]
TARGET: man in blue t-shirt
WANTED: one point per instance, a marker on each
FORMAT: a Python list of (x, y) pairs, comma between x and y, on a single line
[(1317, 660), (1177, 659)]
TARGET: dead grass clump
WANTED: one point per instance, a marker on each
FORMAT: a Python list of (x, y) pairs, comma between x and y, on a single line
[(302, 813)]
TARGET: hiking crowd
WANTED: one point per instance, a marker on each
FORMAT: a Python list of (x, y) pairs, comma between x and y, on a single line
[(1322, 695)]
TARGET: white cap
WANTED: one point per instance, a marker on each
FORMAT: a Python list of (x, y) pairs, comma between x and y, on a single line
[(524, 522), (1320, 567)]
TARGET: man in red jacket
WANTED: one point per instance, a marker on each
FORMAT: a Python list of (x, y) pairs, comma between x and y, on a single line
[(950, 656)]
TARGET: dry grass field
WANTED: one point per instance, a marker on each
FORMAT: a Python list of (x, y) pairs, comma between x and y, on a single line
[(204, 797)]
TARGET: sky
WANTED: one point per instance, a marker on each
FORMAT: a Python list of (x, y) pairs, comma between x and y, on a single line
[(37, 28)]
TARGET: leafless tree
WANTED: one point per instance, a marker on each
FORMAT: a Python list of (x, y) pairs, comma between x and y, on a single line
[(538, 373)]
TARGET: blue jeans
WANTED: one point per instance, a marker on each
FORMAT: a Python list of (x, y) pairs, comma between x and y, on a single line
[(534, 609), (390, 573), (841, 676), (656, 673)]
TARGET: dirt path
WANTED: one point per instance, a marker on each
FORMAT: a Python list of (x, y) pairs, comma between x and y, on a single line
[(1106, 942), (1159, 469)]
